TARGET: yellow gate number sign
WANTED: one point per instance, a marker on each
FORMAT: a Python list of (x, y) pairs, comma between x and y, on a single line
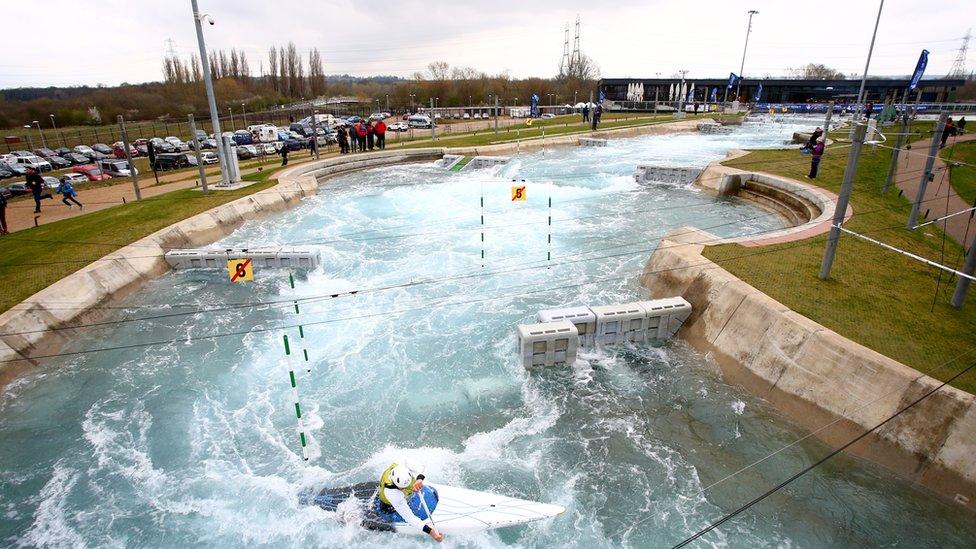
[(518, 193), (240, 270)]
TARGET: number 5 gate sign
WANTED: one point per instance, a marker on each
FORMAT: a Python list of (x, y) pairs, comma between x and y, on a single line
[(240, 270), (518, 193)]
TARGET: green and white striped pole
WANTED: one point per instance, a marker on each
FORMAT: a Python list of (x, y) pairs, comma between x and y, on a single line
[(301, 329), (294, 394)]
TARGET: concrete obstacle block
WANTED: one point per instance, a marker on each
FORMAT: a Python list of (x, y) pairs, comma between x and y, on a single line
[(274, 258), (665, 316), (547, 343), (616, 324), (592, 142), (479, 162), (582, 317), (647, 173), (711, 128), (449, 160)]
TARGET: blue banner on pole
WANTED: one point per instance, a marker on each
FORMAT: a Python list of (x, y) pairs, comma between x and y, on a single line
[(758, 93), (923, 60), (534, 108), (732, 79), (714, 94)]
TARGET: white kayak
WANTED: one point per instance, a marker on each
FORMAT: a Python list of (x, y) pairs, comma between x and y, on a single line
[(453, 510)]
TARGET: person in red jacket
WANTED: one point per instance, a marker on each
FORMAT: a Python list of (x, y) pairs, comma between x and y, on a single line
[(361, 135), (380, 130), (370, 135)]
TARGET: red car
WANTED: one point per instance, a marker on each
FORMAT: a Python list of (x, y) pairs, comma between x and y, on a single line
[(92, 172), (119, 150)]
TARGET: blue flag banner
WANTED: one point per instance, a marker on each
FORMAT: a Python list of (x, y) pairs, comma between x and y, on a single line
[(534, 109), (714, 95), (923, 60), (732, 79), (758, 93), (601, 97)]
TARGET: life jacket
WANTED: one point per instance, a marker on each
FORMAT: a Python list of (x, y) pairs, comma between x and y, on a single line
[(387, 482), (361, 129)]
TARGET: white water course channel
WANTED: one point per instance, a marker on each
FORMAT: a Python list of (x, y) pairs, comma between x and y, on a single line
[(191, 441)]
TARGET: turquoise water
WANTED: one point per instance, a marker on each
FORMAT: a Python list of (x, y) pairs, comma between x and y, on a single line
[(193, 442)]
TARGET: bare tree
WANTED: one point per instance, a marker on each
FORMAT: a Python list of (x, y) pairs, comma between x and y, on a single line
[(273, 69), (439, 70), (195, 72), (816, 71)]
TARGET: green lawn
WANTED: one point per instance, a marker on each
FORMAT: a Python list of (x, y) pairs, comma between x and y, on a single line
[(963, 178), (878, 298), (33, 259)]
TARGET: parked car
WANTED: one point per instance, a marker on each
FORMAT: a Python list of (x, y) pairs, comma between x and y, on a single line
[(18, 188), (419, 121), (548, 115), (140, 141), (102, 148), (177, 143), (61, 151), (268, 148), (76, 159), (242, 137), (118, 149), (304, 130), (84, 149), (116, 168), (75, 178), (51, 182), (8, 158), (58, 163), (5, 172), (143, 149), (22, 153), (34, 161), (397, 127), (170, 161), (162, 146), (246, 151), (209, 157), (92, 172), (44, 152), (16, 169), (353, 119), (6, 192)]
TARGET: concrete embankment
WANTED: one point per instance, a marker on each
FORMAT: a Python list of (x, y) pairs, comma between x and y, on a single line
[(818, 377)]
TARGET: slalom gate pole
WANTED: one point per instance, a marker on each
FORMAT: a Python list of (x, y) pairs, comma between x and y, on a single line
[(549, 251), (301, 329), (294, 394), (482, 225)]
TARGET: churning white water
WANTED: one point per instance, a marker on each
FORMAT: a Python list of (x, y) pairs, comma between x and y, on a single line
[(191, 441)]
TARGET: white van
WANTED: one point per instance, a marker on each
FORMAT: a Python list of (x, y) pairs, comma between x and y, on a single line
[(116, 168), (263, 133), (35, 162), (418, 121)]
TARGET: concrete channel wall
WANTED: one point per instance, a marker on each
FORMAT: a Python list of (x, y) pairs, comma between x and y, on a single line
[(816, 376)]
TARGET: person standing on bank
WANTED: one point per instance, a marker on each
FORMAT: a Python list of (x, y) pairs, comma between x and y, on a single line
[(812, 142), (3, 215), (815, 155), (370, 135), (68, 193), (343, 138), (35, 183), (380, 130), (284, 154), (948, 130)]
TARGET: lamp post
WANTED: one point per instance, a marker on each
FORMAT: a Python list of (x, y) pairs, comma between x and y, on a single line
[(231, 111), (244, 114), (387, 102), (412, 96), (208, 82), (744, 48), (30, 143), (55, 126), (39, 132)]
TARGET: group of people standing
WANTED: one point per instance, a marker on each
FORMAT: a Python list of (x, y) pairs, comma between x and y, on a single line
[(362, 136), (952, 129)]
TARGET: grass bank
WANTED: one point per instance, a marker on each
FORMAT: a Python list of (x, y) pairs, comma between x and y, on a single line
[(880, 299), (962, 176), (33, 259)]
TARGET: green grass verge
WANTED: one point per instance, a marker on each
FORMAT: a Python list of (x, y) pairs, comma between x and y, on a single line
[(34, 259), (963, 178), (875, 297)]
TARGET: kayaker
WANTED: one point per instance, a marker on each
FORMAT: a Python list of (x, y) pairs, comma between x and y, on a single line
[(397, 485)]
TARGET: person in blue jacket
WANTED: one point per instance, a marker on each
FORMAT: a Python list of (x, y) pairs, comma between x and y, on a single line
[(68, 193)]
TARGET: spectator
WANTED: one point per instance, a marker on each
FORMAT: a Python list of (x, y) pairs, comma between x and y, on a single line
[(812, 142), (284, 154), (696, 108), (961, 126), (3, 214), (370, 135), (868, 110), (361, 135), (36, 184), (815, 155), (380, 130), (586, 113), (948, 130), (343, 138), (313, 145), (597, 114), (68, 193)]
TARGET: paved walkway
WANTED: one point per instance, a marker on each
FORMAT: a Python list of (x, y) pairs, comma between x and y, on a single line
[(911, 165)]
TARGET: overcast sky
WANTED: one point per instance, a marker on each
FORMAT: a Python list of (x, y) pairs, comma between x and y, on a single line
[(111, 41)]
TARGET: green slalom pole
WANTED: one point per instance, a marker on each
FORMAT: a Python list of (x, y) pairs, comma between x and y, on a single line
[(294, 394), (301, 329)]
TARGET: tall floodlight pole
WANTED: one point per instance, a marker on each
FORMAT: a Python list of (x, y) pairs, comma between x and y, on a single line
[(864, 77), (244, 114), (742, 65), (55, 126), (197, 148), (39, 132), (208, 82)]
